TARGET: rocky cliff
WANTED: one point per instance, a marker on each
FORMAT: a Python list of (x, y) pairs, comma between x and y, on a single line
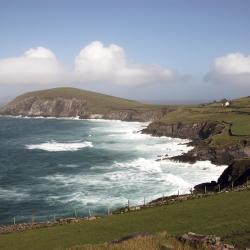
[(236, 174), (56, 107), (200, 130), (84, 105), (201, 133)]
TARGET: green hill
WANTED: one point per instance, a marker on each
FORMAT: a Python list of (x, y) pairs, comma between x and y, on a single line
[(71, 102), (97, 102)]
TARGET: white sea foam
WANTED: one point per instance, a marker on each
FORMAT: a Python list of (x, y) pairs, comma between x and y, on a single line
[(9, 194), (133, 180), (53, 146), (136, 169)]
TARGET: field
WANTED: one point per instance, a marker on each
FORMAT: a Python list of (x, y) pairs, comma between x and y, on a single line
[(226, 215), (238, 114)]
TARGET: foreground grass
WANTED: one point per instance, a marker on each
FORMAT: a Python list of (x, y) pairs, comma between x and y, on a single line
[(226, 215), (157, 242)]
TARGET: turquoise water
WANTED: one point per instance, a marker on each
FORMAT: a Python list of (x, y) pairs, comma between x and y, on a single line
[(58, 166)]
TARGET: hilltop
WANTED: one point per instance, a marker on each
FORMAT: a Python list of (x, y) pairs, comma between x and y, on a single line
[(72, 102)]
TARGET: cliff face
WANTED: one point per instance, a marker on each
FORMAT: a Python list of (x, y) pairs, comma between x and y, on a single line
[(200, 130), (236, 174), (135, 115), (35, 106), (201, 133), (56, 107)]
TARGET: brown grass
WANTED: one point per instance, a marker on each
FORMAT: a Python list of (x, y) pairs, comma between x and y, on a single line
[(157, 242)]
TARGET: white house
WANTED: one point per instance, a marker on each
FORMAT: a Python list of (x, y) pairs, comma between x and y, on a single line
[(226, 103)]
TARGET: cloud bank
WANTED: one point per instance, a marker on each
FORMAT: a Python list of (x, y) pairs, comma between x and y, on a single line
[(94, 64), (37, 65), (232, 68)]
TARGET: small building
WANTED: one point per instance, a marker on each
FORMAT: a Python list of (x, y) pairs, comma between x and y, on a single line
[(226, 103)]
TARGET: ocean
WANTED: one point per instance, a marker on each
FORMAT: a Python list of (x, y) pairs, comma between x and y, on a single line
[(63, 167)]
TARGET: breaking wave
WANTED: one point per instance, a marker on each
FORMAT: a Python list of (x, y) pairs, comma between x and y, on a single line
[(113, 162), (53, 146)]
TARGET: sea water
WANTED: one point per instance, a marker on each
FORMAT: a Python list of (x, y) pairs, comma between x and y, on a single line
[(63, 167)]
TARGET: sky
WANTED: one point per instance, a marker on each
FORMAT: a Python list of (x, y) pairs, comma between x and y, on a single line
[(151, 50)]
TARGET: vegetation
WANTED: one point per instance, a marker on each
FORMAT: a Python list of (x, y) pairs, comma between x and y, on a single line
[(226, 215), (237, 114), (157, 242), (97, 103)]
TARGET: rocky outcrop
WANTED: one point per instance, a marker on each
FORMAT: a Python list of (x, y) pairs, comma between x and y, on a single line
[(203, 151), (236, 174), (35, 106), (47, 107), (135, 115), (201, 134), (201, 130), (200, 241)]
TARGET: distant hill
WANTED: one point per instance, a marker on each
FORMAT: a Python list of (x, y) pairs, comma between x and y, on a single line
[(72, 102)]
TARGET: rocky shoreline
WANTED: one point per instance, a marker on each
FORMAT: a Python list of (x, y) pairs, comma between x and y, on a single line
[(236, 156)]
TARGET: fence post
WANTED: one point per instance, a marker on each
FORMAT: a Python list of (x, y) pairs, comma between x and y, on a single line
[(89, 213), (108, 211), (178, 193), (144, 202), (232, 185), (14, 220), (128, 205), (219, 187), (205, 189), (75, 213)]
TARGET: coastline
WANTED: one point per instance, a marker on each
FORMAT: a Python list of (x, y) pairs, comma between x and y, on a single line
[(162, 201), (176, 158), (144, 130)]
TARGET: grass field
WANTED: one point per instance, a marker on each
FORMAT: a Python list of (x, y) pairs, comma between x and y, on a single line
[(226, 215), (238, 114)]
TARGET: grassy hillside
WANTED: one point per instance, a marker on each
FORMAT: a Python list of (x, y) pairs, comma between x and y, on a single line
[(238, 114), (226, 215), (97, 103)]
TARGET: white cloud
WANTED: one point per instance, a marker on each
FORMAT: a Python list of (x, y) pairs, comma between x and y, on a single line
[(97, 63), (94, 64), (233, 68), (37, 65)]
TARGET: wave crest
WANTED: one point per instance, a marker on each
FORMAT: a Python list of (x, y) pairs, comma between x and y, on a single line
[(53, 146)]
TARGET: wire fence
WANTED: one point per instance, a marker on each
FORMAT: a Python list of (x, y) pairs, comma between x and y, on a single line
[(21, 223)]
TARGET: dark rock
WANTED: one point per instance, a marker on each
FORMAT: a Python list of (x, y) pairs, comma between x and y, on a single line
[(131, 236), (206, 187), (219, 156), (201, 130), (236, 174), (199, 240)]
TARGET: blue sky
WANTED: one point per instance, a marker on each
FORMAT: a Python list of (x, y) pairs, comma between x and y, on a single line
[(183, 36)]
